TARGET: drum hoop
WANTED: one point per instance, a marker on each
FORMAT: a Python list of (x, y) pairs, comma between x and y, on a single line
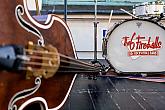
[(140, 5), (110, 32), (147, 5), (112, 67)]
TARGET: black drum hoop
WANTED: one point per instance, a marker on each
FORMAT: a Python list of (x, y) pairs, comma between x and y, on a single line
[(149, 20)]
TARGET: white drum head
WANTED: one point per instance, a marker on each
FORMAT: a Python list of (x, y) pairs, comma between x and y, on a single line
[(137, 46)]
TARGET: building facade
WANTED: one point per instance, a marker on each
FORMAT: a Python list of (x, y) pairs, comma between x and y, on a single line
[(81, 17)]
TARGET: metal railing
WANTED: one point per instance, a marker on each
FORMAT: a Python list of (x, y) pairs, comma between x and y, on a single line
[(100, 2)]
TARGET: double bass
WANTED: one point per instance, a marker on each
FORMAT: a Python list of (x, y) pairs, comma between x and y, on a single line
[(38, 62)]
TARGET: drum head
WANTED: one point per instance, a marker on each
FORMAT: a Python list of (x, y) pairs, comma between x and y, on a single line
[(137, 46)]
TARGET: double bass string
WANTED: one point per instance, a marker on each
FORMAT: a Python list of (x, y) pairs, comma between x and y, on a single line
[(78, 64), (81, 65), (73, 71), (66, 67), (73, 59), (61, 55), (70, 63)]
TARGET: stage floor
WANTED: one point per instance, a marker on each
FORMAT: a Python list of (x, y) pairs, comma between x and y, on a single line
[(110, 93)]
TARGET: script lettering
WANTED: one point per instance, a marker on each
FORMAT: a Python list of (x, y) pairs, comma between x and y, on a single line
[(139, 45)]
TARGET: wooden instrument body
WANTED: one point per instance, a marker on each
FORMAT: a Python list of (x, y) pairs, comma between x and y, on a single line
[(53, 90)]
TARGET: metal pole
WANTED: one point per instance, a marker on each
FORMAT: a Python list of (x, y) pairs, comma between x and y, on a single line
[(65, 10), (37, 8), (95, 32)]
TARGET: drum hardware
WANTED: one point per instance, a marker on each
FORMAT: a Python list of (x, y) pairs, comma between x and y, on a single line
[(156, 18), (104, 50), (158, 2), (104, 45), (149, 9), (160, 17), (104, 55), (128, 13), (104, 38), (110, 18), (102, 72)]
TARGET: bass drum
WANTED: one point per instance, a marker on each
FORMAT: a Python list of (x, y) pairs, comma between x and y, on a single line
[(136, 46)]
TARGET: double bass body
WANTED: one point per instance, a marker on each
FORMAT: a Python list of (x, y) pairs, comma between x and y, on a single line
[(51, 92)]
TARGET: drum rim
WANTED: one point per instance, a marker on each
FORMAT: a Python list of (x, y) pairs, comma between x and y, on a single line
[(110, 32), (147, 5)]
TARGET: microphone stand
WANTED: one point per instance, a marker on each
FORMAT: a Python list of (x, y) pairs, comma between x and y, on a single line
[(65, 10), (95, 33), (95, 61), (95, 41)]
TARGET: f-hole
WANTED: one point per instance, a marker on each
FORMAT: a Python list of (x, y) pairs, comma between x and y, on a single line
[(35, 106)]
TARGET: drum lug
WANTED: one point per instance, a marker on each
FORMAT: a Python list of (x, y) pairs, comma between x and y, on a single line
[(117, 71), (144, 74)]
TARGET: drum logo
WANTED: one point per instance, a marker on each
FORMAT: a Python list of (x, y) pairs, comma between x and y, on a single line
[(139, 45)]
